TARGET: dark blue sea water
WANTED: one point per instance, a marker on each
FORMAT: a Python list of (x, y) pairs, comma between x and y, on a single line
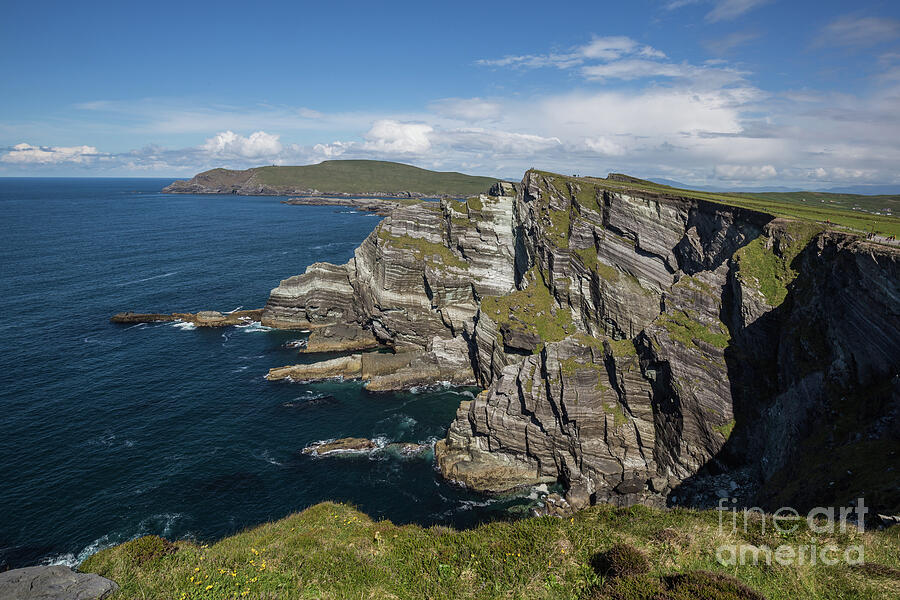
[(108, 432)]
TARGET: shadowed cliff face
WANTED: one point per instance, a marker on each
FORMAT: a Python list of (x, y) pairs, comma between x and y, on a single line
[(627, 339)]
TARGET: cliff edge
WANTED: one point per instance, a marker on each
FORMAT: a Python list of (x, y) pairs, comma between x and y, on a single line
[(632, 339)]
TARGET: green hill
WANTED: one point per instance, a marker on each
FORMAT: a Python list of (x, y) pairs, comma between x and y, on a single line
[(362, 177)]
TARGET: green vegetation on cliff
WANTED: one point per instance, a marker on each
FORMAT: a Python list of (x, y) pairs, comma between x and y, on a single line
[(355, 177), (683, 328), (434, 254), (532, 310), (333, 551), (773, 270)]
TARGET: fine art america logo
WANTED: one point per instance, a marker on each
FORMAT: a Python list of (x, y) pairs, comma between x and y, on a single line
[(825, 522)]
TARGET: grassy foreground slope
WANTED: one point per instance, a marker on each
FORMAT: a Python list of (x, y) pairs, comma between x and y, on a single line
[(350, 177), (837, 208), (333, 551)]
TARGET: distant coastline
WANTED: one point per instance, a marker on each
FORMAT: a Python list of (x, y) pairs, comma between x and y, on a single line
[(335, 178)]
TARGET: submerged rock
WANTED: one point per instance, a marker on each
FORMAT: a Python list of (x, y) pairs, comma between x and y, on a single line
[(54, 583), (408, 448), (343, 445)]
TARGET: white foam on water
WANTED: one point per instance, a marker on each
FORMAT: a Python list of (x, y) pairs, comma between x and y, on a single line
[(235, 310), (73, 560), (265, 456), (147, 278), (239, 369), (253, 327), (470, 504), (168, 520), (136, 326), (184, 326), (88, 340), (433, 387)]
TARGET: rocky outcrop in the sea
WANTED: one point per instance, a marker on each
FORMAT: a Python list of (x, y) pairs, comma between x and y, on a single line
[(379, 206), (629, 337), (204, 318), (353, 446), (341, 337), (54, 583)]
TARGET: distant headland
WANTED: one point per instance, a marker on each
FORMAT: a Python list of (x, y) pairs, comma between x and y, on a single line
[(335, 178)]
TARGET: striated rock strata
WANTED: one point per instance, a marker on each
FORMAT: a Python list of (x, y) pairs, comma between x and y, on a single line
[(629, 338)]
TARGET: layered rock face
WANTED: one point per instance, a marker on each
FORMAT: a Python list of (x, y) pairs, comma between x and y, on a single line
[(628, 337), (415, 283)]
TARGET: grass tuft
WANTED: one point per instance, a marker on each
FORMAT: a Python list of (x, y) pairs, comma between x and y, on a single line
[(622, 560)]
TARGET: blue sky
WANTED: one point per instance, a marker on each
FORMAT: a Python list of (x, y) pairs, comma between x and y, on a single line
[(725, 93)]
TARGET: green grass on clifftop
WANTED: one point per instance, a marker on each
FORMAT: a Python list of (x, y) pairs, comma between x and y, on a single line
[(367, 176), (819, 206), (332, 551)]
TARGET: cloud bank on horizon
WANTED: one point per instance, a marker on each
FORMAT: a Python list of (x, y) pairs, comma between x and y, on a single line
[(730, 104)]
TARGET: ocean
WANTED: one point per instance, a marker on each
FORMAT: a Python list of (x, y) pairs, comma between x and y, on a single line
[(109, 432)]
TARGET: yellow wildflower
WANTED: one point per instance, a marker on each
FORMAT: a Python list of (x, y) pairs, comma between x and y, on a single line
[(209, 587)]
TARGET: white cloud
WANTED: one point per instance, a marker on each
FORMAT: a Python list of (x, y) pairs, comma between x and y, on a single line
[(608, 48), (859, 31), (258, 144), (394, 137), (723, 10), (47, 155), (745, 172), (334, 149), (622, 58), (466, 109), (726, 44), (727, 10), (605, 146)]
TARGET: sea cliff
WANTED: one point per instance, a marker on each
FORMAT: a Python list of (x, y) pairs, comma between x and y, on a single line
[(633, 341)]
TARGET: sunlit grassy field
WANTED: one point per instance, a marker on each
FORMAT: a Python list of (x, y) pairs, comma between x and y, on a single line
[(333, 551), (819, 207)]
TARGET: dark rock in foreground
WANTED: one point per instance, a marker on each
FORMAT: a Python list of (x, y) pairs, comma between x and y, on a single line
[(53, 583)]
